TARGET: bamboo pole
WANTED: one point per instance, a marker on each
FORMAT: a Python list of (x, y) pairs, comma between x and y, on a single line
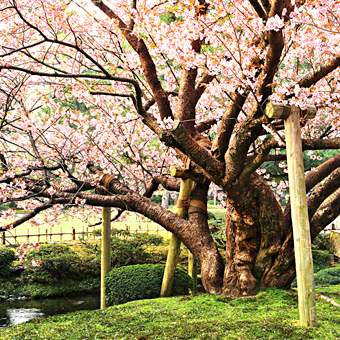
[(106, 252), (301, 228), (175, 243)]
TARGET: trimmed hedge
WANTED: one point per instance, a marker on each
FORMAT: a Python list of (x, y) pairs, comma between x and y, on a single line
[(142, 282), (7, 256)]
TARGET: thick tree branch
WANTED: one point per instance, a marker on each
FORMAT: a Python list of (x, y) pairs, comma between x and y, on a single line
[(148, 66), (205, 125), (187, 100), (259, 159), (238, 149), (258, 9), (316, 175), (225, 129), (320, 73), (202, 84), (171, 184), (313, 177), (321, 191), (328, 211), (266, 5), (198, 154)]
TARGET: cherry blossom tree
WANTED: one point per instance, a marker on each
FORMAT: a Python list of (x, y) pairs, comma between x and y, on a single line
[(115, 93)]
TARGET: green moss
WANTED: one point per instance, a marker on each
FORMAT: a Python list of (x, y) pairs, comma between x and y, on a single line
[(273, 314)]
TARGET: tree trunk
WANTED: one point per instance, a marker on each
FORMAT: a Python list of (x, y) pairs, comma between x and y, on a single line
[(258, 253), (254, 235)]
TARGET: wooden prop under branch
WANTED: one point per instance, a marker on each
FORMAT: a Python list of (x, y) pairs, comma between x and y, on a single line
[(185, 174), (175, 243), (299, 208), (106, 241), (280, 111)]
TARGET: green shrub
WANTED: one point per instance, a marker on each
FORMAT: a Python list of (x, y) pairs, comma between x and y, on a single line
[(7, 256), (114, 232), (218, 234), (322, 249), (157, 199), (323, 242), (57, 262), (135, 238), (142, 282), (124, 253), (219, 215), (133, 250), (211, 216), (329, 276), (90, 261), (322, 259), (147, 239), (325, 277)]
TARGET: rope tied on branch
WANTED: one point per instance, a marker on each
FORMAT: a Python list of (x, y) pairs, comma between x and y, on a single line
[(193, 205), (106, 180)]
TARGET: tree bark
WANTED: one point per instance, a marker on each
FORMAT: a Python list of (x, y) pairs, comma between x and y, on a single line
[(254, 237)]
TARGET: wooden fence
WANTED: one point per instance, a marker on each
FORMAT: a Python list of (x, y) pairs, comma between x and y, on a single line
[(52, 235)]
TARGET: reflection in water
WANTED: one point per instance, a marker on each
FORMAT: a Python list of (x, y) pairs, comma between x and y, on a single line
[(21, 315), (19, 311)]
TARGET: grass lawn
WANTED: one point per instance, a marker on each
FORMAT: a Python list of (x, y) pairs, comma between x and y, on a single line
[(272, 314), (66, 226)]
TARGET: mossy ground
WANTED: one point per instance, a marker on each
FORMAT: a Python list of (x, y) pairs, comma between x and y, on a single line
[(328, 290), (272, 314)]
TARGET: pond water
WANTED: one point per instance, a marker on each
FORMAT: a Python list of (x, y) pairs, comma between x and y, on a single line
[(14, 312)]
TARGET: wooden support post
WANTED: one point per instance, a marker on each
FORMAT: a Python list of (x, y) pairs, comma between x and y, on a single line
[(3, 238), (106, 252), (73, 234), (301, 229), (192, 271), (175, 243), (38, 234)]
